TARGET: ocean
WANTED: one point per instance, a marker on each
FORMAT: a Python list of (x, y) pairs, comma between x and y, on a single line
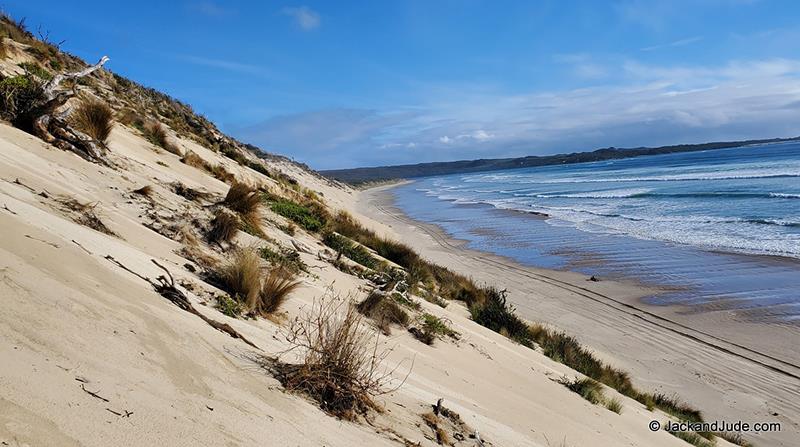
[(717, 230)]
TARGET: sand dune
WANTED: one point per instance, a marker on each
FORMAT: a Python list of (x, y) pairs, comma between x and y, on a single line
[(91, 355)]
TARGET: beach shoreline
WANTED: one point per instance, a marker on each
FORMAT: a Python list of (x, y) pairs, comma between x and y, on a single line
[(731, 368)]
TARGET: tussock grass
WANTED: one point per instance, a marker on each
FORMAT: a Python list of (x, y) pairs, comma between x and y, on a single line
[(191, 158), (94, 118), (432, 327), (156, 134), (383, 310), (241, 275), (278, 284), (224, 226), (587, 388), (84, 214), (614, 405), (242, 198), (341, 366)]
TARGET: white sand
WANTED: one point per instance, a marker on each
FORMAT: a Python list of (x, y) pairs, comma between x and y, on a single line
[(72, 322)]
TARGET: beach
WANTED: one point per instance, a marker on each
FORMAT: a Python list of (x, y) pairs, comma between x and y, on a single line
[(733, 369)]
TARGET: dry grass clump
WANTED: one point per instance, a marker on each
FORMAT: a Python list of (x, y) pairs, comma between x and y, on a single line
[(275, 289), (192, 159), (189, 193), (84, 214), (587, 388), (242, 198), (383, 310), (156, 133), (146, 190), (246, 200), (94, 118), (341, 365), (241, 276), (224, 226)]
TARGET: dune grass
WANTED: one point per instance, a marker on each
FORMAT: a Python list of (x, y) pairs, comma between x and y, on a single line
[(383, 310), (241, 275), (94, 118), (275, 289), (156, 134), (310, 216), (224, 226)]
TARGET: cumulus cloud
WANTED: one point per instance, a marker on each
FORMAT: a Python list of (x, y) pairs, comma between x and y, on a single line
[(651, 105), (305, 17)]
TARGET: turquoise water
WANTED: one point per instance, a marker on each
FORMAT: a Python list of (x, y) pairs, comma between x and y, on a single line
[(722, 227)]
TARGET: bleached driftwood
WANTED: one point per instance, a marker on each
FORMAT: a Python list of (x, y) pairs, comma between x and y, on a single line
[(49, 120)]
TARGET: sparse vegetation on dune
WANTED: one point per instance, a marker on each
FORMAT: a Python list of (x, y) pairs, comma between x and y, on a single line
[(432, 327), (383, 310), (285, 257), (311, 216), (341, 367), (94, 118)]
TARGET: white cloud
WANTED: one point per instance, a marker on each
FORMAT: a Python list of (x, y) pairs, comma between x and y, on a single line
[(305, 17), (224, 64), (650, 105), (677, 43)]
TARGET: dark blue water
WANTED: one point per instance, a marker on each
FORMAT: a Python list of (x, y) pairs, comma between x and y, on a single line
[(720, 229)]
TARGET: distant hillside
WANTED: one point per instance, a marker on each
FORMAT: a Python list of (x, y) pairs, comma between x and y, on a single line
[(371, 174)]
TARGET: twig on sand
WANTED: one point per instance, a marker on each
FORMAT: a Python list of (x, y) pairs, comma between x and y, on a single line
[(42, 241), (81, 246), (5, 207), (127, 413), (165, 286), (93, 394)]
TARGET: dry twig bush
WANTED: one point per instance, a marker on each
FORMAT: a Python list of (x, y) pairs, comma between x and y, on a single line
[(94, 118), (341, 366)]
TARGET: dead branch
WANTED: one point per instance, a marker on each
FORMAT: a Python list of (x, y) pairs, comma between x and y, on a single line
[(165, 286), (93, 394)]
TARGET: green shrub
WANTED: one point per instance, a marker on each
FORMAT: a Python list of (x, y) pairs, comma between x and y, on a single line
[(307, 217), (496, 314), (36, 70), (229, 306), (286, 258), (351, 250), (587, 388), (19, 95)]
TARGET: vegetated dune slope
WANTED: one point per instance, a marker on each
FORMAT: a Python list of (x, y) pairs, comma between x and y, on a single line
[(91, 354), (73, 322)]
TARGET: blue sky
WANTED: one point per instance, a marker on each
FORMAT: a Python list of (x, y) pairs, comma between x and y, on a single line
[(359, 83)]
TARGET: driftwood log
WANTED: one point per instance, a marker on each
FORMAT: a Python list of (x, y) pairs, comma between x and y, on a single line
[(49, 119)]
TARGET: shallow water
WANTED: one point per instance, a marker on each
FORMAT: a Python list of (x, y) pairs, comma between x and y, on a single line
[(719, 228)]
